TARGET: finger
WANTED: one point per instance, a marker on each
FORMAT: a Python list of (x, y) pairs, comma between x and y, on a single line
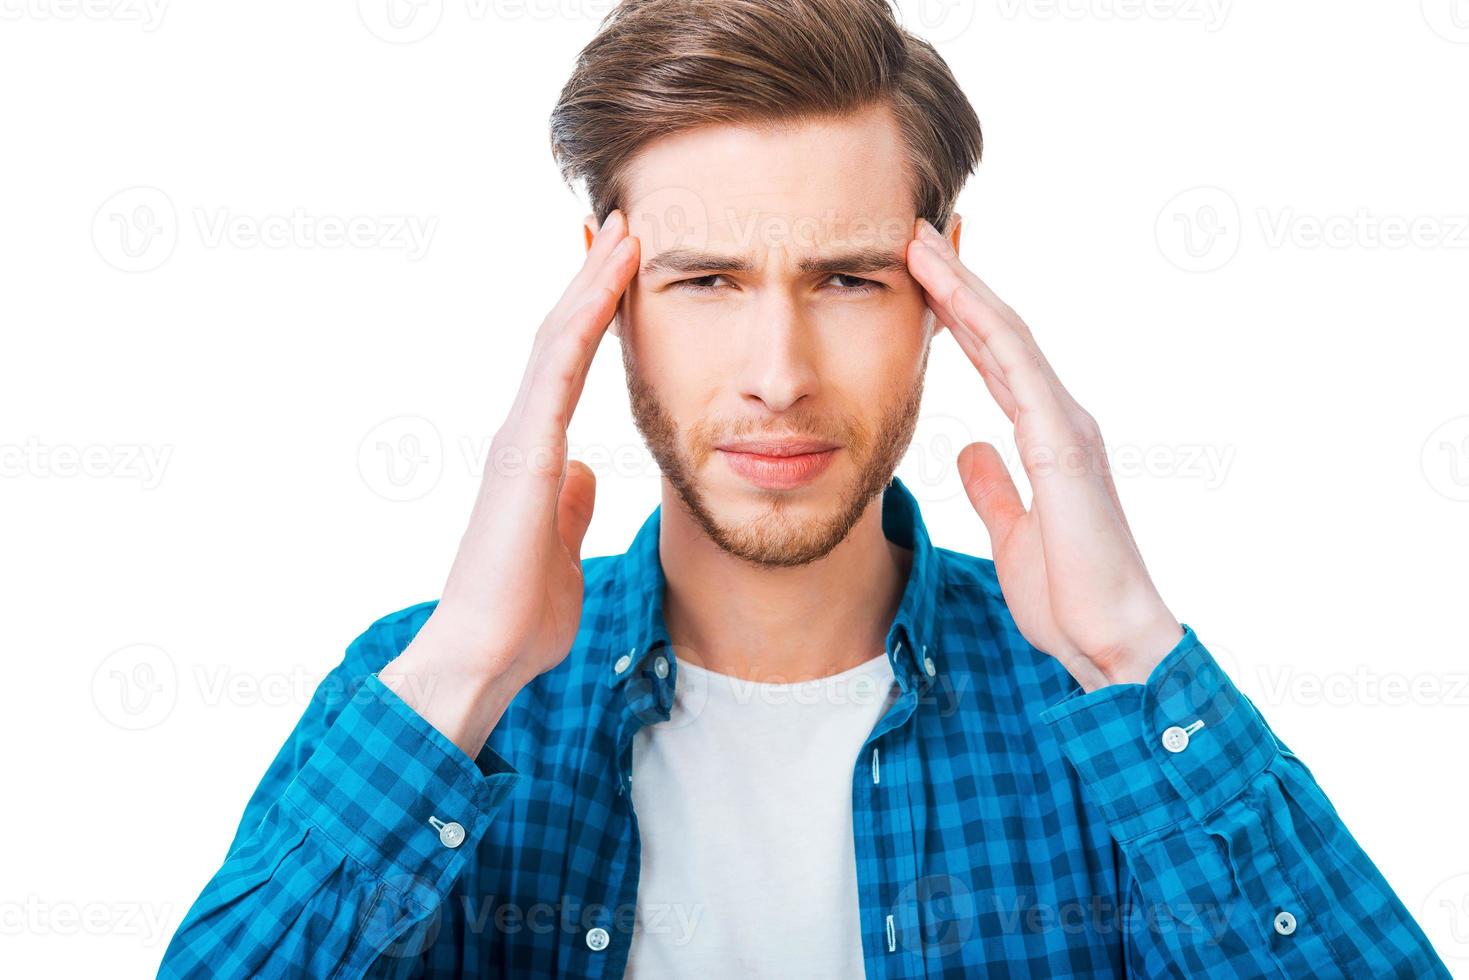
[(556, 371), (574, 506), (613, 232), (944, 251), (979, 355), (991, 490), (989, 372), (919, 249), (981, 325), (930, 236), (1019, 365), (1057, 453)]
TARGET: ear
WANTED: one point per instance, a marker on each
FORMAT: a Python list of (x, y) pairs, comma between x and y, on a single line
[(590, 225)]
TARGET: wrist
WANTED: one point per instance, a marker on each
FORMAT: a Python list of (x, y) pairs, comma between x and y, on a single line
[(1132, 659), (463, 696), (462, 645)]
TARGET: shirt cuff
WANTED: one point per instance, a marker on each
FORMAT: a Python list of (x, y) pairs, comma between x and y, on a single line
[(1180, 745), (397, 795)]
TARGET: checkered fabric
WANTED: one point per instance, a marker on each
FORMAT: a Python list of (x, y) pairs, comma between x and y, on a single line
[(1006, 823)]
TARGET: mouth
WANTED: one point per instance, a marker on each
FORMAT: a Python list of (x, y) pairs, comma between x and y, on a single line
[(778, 464)]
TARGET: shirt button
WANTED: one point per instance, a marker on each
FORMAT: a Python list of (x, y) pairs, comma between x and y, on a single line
[(1285, 923), (660, 666), (451, 834), (597, 938), (622, 663), (1175, 739)]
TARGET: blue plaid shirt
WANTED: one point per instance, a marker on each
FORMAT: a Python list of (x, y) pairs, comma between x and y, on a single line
[(1006, 823)]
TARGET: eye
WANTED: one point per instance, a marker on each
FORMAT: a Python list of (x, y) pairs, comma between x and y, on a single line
[(699, 285), (852, 284), (863, 285)]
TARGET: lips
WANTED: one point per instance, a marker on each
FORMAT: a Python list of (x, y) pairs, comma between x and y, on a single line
[(780, 447), (778, 465)]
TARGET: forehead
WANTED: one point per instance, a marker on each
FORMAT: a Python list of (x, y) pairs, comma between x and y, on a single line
[(804, 187)]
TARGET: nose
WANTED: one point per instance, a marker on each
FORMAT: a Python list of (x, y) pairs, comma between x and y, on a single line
[(780, 357)]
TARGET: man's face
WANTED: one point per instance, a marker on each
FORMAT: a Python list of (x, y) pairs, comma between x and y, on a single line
[(774, 303)]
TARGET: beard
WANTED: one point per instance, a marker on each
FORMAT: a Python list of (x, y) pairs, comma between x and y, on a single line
[(778, 537)]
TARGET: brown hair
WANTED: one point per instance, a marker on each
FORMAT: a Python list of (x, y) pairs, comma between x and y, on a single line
[(658, 67)]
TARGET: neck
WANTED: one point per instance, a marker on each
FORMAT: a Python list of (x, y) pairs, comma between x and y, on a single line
[(779, 625)]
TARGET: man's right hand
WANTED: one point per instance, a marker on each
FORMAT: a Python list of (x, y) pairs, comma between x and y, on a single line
[(512, 604)]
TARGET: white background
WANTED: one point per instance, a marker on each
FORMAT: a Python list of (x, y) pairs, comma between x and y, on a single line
[(223, 458)]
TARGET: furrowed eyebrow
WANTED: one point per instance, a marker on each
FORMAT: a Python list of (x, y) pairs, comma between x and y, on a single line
[(696, 260), (860, 261)]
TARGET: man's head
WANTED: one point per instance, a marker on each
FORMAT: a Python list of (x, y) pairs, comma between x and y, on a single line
[(772, 156)]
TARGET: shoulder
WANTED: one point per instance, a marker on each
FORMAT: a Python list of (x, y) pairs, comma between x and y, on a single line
[(970, 576)]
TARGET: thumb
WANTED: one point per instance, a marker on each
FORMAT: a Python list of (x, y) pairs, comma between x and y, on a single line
[(991, 489), (574, 506)]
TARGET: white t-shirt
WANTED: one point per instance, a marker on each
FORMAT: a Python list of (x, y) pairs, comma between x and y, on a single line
[(744, 806)]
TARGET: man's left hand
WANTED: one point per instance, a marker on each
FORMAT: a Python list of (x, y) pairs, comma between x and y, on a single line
[(1069, 568)]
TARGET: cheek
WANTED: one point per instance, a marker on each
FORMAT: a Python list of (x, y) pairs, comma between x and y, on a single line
[(676, 362)]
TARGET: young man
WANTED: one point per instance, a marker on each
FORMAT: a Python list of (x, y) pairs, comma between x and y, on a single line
[(784, 734)]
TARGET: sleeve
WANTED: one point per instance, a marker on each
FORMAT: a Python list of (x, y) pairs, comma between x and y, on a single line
[(1234, 862), (350, 843)]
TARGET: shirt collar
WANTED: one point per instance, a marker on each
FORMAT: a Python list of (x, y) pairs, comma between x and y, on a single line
[(638, 589)]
